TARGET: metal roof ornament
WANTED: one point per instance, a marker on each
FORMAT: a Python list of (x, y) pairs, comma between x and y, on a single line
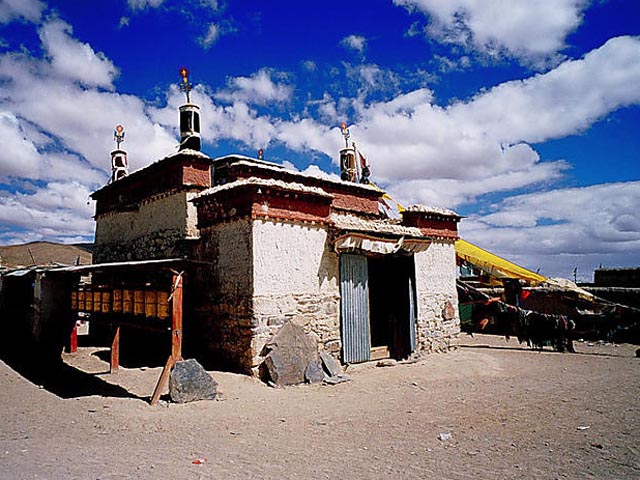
[(185, 85), (119, 160), (118, 135), (345, 133)]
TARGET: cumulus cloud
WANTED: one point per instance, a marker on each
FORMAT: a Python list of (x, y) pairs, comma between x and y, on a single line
[(598, 224), (258, 89), (354, 42), (58, 144), (81, 119), (73, 59), (485, 140), (26, 10), (60, 211), (531, 30), (20, 155), (142, 4)]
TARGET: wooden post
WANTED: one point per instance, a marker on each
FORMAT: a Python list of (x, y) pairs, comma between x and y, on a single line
[(115, 351), (176, 319), (164, 376), (73, 340), (176, 337)]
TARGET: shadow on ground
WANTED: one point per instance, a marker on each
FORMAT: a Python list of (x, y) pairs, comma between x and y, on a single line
[(544, 350), (57, 377)]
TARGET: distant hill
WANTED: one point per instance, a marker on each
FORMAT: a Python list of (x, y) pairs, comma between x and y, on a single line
[(44, 253)]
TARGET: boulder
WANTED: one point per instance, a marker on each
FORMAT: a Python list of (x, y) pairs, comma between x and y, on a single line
[(314, 373), (189, 382), (292, 351), (330, 365)]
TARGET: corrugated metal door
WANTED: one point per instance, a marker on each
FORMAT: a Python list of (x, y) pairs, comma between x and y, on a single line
[(354, 292), (412, 316)]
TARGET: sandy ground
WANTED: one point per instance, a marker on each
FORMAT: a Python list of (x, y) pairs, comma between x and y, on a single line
[(510, 412)]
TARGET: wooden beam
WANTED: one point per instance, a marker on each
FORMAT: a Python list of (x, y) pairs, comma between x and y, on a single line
[(176, 337), (176, 318), (73, 340), (164, 376), (115, 351)]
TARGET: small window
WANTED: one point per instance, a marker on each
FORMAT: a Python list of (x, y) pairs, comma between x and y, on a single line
[(185, 121), (196, 122)]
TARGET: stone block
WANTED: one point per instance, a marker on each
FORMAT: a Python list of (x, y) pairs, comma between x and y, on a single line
[(330, 365), (314, 373), (189, 382), (291, 352)]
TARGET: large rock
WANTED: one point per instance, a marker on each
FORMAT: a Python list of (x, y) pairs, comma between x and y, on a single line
[(314, 372), (292, 351), (330, 365), (189, 382)]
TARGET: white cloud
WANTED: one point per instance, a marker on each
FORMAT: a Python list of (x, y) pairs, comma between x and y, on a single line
[(59, 122), (354, 42), (237, 121), (57, 211), (142, 4), (212, 35), (19, 156), (485, 140), (445, 155), (563, 101), (599, 224), (531, 30), (213, 4), (28, 10), (75, 60), (258, 89)]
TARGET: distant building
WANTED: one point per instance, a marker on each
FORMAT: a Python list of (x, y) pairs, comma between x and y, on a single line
[(617, 277)]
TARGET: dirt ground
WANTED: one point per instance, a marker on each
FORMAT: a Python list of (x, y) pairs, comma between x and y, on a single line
[(510, 413)]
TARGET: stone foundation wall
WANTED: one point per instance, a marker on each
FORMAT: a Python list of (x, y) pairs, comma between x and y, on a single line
[(221, 302), (296, 279), (438, 327)]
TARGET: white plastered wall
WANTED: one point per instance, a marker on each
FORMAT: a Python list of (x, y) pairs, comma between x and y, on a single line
[(295, 278), (435, 286), (149, 231)]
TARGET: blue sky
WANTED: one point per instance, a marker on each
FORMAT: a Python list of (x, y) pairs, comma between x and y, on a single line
[(523, 116)]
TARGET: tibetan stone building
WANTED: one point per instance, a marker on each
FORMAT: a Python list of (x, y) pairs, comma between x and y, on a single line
[(268, 245)]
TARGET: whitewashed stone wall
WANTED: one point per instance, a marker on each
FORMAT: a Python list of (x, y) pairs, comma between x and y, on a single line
[(435, 287), (150, 232), (295, 278)]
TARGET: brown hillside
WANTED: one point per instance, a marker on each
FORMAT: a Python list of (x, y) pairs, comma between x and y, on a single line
[(43, 253)]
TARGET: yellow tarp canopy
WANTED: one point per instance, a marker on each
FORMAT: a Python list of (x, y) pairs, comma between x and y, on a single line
[(493, 264)]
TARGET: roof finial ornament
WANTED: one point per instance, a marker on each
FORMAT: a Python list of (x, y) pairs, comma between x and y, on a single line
[(345, 133), (185, 86), (118, 135), (119, 160), (260, 154), (348, 169), (189, 116)]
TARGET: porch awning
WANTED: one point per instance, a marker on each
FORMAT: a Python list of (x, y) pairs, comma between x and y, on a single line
[(493, 264), (367, 243)]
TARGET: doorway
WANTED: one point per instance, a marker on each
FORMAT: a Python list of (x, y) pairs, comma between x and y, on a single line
[(377, 306)]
